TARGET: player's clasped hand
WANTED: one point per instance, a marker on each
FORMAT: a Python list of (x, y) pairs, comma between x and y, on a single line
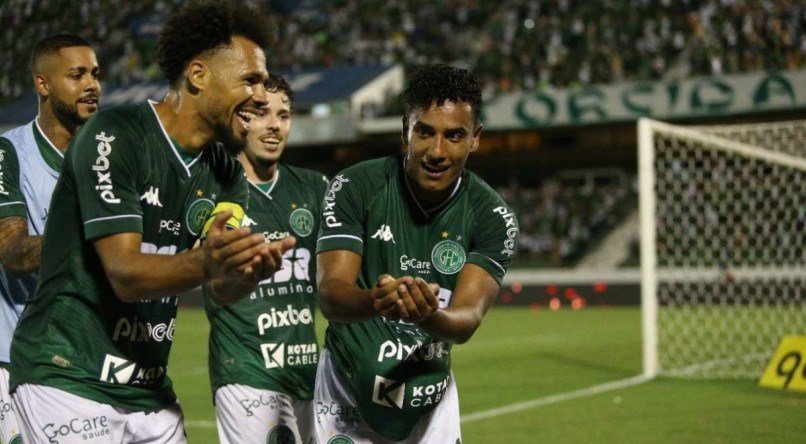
[(408, 299), (239, 254)]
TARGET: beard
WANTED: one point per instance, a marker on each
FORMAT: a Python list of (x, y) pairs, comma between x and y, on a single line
[(66, 113)]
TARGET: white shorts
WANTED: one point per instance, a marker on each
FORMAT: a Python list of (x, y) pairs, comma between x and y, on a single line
[(9, 429), (50, 415), (338, 420), (245, 414)]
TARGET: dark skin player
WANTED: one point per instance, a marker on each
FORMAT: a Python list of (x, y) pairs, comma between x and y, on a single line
[(439, 141)]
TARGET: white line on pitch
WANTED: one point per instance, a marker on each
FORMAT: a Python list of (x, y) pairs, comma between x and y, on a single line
[(546, 400), (200, 424)]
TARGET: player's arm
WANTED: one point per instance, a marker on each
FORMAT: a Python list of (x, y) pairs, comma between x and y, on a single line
[(19, 252), (493, 244), (340, 299), (475, 291), (235, 261)]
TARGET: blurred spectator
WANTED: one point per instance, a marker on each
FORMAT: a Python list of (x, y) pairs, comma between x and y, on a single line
[(561, 220), (512, 44)]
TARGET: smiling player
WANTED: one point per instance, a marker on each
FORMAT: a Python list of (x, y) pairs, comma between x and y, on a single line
[(137, 185), (411, 254), (263, 349), (65, 73)]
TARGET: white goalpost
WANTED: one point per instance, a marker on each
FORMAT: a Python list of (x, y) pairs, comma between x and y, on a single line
[(723, 245)]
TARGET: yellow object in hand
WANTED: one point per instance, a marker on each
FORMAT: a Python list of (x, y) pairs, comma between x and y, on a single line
[(233, 222)]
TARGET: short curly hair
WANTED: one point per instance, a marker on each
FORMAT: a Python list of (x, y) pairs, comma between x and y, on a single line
[(204, 26), (438, 83), (277, 84)]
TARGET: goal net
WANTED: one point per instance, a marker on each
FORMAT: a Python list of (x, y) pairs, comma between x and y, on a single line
[(723, 245)]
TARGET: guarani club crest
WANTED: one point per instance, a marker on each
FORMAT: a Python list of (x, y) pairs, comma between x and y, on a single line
[(280, 434), (448, 256), (301, 221), (197, 215)]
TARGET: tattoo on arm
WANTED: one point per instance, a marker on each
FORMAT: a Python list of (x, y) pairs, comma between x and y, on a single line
[(19, 252)]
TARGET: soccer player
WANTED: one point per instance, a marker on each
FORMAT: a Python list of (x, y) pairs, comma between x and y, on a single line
[(263, 349), (89, 356), (411, 253), (65, 73)]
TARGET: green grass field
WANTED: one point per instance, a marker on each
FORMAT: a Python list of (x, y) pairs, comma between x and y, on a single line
[(520, 355)]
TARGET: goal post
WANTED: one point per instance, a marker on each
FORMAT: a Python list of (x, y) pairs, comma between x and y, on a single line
[(723, 245)]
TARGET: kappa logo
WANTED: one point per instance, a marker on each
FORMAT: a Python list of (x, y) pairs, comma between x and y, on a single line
[(101, 168), (388, 392), (385, 234), (273, 355), (247, 221), (152, 197)]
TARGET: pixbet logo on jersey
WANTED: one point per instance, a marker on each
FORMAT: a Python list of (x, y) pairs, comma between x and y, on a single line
[(283, 318), (416, 352), (512, 229), (2, 183), (101, 168), (330, 201), (136, 331)]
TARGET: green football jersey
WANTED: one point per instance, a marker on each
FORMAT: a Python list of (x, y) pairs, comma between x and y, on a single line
[(267, 340), (121, 173), (396, 371)]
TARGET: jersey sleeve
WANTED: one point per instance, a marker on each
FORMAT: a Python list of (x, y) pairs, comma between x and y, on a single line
[(104, 163), (495, 240), (342, 219), (12, 201)]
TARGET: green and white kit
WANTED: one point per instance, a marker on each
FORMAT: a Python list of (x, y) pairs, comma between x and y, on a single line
[(396, 372), (263, 348), (122, 173)]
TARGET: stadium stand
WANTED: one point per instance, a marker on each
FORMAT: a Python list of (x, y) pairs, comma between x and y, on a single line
[(563, 218), (513, 45)]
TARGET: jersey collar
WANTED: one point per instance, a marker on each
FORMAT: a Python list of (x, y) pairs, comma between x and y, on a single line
[(50, 154), (187, 166), (267, 193), (427, 213)]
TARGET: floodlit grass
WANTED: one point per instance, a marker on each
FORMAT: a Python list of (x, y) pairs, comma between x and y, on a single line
[(519, 354)]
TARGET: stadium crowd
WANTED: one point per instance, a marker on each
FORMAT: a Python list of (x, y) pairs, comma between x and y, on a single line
[(560, 220), (512, 45)]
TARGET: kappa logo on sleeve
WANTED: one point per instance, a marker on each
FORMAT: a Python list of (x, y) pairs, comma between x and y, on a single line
[(101, 168)]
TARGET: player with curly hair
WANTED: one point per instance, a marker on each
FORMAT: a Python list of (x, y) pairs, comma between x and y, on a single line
[(138, 187), (411, 253)]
